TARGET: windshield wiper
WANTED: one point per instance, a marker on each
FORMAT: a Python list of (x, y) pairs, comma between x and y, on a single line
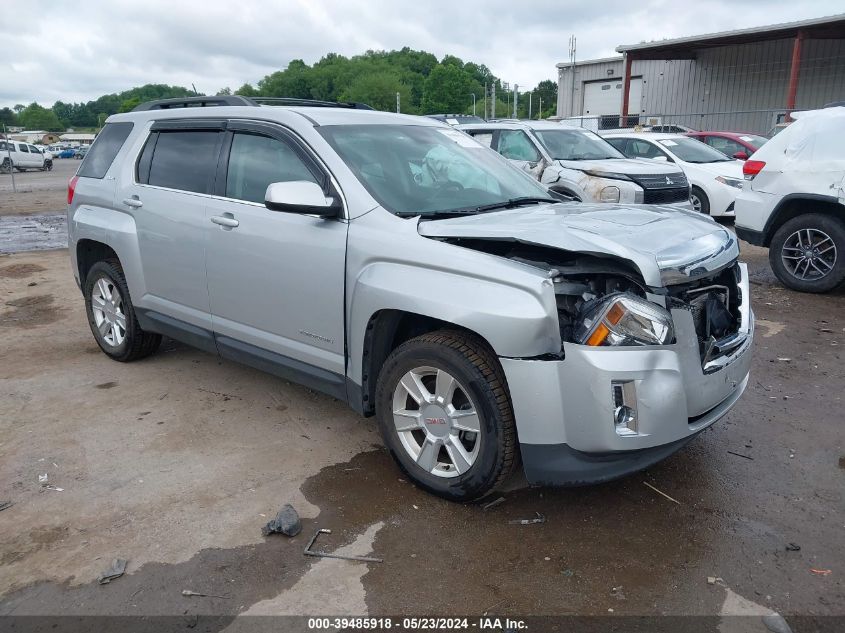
[(514, 202), (504, 204)]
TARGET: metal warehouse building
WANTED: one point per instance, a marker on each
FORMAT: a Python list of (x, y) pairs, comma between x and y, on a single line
[(746, 80)]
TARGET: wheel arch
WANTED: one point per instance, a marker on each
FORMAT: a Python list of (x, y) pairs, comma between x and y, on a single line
[(795, 204), (386, 330)]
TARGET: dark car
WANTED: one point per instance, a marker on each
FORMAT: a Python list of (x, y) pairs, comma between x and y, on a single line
[(739, 145)]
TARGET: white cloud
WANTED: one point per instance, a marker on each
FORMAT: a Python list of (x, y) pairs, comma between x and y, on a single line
[(79, 51)]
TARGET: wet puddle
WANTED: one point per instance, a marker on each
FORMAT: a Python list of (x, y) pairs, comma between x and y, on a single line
[(33, 232)]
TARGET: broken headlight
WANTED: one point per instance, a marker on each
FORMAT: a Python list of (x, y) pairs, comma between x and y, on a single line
[(625, 319)]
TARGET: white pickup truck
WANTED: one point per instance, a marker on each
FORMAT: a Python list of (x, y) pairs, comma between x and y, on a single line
[(21, 156)]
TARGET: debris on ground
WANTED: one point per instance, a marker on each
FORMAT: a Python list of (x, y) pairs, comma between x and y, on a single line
[(660, 492), (537, 519), (792, 547), (493, 503), (617, 592), (741, 455), (118, 566), (716, 580), (43, 479), (775, 623), (310, 552), (785, 360), (286, 522), (188, 592), (5, 505), (821, 572)]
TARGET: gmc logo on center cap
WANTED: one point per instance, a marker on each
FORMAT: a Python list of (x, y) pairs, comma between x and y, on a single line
[(435, 420)]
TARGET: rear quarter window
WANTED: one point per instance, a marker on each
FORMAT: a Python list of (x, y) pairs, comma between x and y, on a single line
[(102, 153)]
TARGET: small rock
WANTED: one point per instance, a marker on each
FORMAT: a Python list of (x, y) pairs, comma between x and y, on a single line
[(34, 283), (547, 558), (286, 522), (711, 580), (792, 547)]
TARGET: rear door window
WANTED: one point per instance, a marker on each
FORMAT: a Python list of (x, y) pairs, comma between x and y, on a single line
[(101, 155), (24, 149), (183, 159)]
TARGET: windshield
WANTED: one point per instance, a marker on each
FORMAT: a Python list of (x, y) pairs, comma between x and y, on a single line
[(755, 141), (414, 170), (691, 150), (576, 144)]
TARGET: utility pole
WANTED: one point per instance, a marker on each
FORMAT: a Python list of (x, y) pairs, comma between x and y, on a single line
[(493, 100), (572, 50), (397, 103), (529, 104), (9, 152), (540, 111), (515, 93), (473, 103), (485, 101)]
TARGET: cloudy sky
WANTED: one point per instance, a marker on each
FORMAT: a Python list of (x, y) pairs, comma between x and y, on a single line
[(77, 51)]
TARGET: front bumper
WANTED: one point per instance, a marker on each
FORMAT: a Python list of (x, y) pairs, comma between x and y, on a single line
[(565, 409)]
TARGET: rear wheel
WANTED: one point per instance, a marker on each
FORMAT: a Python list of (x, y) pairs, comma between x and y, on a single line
[(445, 414), (699, 200), (112, 316), (6, 166), (808, 253)]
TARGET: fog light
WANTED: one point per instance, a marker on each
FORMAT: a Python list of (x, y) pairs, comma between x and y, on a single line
[(609, 194), (624, 394)]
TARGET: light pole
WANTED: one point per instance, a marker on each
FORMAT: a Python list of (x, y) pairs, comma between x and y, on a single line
[(473, 103), (515, 93)]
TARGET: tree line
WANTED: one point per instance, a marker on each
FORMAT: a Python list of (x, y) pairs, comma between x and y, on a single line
[(425, 85)]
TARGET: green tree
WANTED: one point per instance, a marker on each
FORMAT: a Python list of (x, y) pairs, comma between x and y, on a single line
[(447, 90), (36, 117), (378, 90), (8, 117)]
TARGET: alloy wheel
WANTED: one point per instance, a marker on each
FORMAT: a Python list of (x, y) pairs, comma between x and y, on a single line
[(107, 309), (809, 254), (436, 421)]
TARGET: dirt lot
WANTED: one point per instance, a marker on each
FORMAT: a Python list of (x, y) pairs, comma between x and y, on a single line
[(176, 462), (37, 191)]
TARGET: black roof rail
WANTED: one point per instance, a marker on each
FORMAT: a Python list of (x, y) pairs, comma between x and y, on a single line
[(195, 102), (309, 103)]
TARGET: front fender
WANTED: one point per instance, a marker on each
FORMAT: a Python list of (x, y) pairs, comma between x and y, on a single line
[(516, 321)]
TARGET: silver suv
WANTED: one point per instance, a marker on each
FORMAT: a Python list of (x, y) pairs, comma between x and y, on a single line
[(397, 264)]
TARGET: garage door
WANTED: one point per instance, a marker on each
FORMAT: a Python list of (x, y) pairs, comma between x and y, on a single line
[(602, 98)]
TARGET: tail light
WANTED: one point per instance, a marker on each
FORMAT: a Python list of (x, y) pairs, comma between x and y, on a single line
[(71, 188), (751, 168)]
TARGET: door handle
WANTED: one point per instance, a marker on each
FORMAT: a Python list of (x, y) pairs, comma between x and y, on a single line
[(222, 220), (133, 202)]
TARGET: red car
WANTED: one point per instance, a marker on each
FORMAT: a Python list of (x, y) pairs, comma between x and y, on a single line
[(737, 145)]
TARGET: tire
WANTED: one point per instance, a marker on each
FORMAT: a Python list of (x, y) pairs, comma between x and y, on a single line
[(479, 399), (104, 278), (6, 166), (699, 201), (827, 235)]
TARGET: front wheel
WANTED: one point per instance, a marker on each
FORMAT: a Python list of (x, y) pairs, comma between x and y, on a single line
[(445, 414), (699, 201), (808, 253), (6, 166), (111, 315)]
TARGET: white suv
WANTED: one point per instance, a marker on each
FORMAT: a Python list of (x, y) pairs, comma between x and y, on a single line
[(20, 156), (793, 201)]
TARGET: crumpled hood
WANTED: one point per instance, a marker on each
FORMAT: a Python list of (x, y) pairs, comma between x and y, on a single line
[(632, 166), (667, 245)]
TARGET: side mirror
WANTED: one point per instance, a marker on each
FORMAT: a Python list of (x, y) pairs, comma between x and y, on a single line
[(300, 196), (662, 159), (741, 156)]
